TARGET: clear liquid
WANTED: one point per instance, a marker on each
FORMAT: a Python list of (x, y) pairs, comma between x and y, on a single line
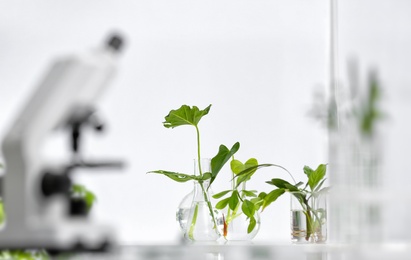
[(299, 227), (182, 217)]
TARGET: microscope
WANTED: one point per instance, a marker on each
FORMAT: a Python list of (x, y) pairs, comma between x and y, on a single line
[(40, 213)]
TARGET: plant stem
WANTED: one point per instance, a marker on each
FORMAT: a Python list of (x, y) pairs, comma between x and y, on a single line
[(289, 173), (193, 223), (308, 218), (210, 207), (198, 151)]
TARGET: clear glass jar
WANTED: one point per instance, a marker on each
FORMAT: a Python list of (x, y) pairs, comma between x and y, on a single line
[(308, 216)]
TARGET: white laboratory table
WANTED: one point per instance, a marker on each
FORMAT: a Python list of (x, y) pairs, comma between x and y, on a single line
[(253, 251)]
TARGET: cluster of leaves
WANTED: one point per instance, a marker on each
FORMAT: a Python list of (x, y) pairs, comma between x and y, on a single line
[(234, 199), (247, 200), (316, 179), (303, 193), (191, 116)]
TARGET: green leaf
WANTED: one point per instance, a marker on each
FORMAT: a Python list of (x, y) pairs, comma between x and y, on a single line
[(252, 225), (222, 203), (300, 196), (248, 172), (221, 194), (250, 167), (80, 191), (257, 202), (262, 195), (272, 196), (279, 183), (299, 184), (185, 115), (291, 188), (236, 166), (248, 208), (90, 198), (252, 162), (316, 176), (206, 176), (307, 171), (249, 193), (218, 161), (178, 177), (233, 202)]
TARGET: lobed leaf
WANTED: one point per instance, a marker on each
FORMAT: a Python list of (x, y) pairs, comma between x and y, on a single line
[(248, 172), (236, 166), (185, 115), (252, 162), (250, 167)]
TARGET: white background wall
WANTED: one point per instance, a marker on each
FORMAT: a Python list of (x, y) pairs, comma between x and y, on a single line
[(257, 62)]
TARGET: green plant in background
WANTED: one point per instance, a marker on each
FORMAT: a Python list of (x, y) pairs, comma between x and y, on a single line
[(24, 255), (2, 215), (191, 116), (238, 200), (81, 192), (78, 192), (368, 112), (305, 193)]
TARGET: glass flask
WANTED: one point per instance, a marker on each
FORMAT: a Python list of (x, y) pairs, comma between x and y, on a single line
[(196, 215), (236, 223)]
